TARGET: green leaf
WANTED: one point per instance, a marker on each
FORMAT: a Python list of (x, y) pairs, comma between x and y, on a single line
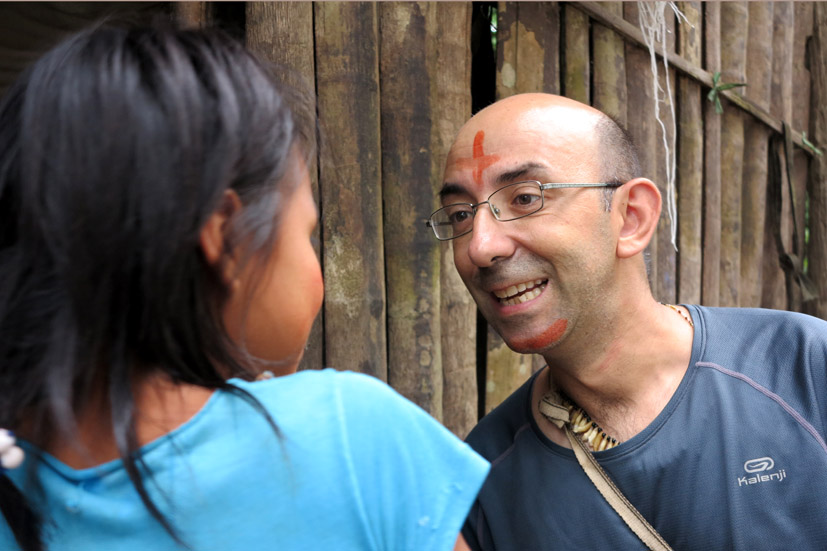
[(809, 144), (723, 87)]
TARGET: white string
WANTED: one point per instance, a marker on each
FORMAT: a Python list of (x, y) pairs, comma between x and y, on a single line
[(653, 26)]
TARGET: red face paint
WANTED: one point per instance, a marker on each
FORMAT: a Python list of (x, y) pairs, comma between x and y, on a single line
[(544, 339), (480, 161)]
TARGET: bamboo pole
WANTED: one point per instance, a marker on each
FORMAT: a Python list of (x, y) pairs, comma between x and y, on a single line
[(348, 98), (193, 14), (756, 141), (666, 282), (411, 255), (711, 263), (818, 177), (282, 33), (773, 291), (734, 21), (451, 59), (576, 57), (690, 160), (642, 127), (609, 90)]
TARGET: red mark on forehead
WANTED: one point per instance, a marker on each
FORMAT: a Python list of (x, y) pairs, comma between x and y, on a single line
[(544, 339), (480, 161)]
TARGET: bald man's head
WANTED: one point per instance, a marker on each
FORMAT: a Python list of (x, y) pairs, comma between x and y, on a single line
[(581, 134)]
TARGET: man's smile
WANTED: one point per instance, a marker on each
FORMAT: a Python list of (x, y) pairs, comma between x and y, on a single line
[(520, 292)]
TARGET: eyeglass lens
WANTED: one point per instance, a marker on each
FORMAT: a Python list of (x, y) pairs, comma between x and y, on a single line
[(507, 203)]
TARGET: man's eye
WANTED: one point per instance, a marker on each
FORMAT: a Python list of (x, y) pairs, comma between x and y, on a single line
[(526, 199), (459, 216)]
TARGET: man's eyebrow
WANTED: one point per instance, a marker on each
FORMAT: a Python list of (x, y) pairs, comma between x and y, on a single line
[(449, 188), (517, 173)]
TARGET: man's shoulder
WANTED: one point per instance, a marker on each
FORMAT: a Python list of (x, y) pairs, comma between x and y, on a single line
[(748, 321), (496, 432)]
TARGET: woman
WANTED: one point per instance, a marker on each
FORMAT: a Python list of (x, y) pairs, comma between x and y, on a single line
[(155, 259)]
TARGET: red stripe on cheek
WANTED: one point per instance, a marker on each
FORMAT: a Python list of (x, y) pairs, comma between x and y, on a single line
[(544, 339)]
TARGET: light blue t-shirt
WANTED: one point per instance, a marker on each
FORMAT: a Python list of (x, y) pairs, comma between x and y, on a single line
[(356, 467)]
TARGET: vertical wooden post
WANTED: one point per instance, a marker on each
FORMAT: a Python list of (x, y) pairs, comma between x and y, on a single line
[(643, 126), (609, 94), (282, 33), (666, 274), (690, 161), (411, 255), (193, 14), (576, 58), (710, 291), (756, 141), (528, 48), (803, 121), (450, 55), (818, 177), (734, 17), (527, 61), (351, 194), (773, 291)]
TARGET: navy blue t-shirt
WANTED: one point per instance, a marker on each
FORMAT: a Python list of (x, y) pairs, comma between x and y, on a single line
[(736, 460)]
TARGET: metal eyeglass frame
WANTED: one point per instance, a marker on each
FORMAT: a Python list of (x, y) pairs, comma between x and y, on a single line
[(430, 221)]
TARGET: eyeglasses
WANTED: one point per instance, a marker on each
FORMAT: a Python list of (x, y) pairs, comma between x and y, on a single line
[(507, 203)]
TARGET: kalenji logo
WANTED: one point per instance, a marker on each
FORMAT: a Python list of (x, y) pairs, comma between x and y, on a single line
[(758, 465), (761, 465)]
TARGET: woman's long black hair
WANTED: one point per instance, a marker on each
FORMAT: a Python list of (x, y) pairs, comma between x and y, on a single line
[(115, 148)]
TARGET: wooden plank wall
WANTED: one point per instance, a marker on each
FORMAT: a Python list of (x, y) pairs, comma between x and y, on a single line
[(392, 88)]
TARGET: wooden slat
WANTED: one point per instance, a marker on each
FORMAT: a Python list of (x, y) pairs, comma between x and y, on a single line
[(710, 289), (666, 282), (609, 93), (734, 22), (818, 180), (576, 58), (351, 195), (802, 108), (282, 33), (450, 56), (642, 127), (192, 14), (631, 32), (529, 40), (411, 255), (773, 291), (690, 160), (528, 60), (756, 138)]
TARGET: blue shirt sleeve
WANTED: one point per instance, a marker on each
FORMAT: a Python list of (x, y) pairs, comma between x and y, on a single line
[(416, 480)]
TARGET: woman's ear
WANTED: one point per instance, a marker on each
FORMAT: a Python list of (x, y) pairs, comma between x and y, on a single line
[(213, 236), (638, 203)]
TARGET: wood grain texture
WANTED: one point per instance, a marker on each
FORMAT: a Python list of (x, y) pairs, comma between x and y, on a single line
[(710, 287), (756, 141), (450, 54), (411, 254), (666, 280), (576, 55), (643, 127), (282, 33), (351, 194), (773, 290), (193, 14), (528, 48), (609, 66), (690, 161), (734, 21), (818, 178)]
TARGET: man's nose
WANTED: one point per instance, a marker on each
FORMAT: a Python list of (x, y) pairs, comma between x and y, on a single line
[(489, 239)]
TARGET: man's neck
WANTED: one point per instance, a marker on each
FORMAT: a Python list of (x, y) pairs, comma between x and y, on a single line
[(625, 377)]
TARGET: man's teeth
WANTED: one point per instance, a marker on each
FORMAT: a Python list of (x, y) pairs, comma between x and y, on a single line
[(511, 296)]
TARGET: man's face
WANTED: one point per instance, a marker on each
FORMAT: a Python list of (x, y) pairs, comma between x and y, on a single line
[(532, 278)]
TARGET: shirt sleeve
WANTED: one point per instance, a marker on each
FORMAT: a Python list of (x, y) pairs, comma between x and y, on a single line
[(416, 481)]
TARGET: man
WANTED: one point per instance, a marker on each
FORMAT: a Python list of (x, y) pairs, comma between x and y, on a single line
[(711, 421)]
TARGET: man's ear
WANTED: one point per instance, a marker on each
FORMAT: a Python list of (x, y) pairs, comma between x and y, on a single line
[(638, 203), (213, 236)]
